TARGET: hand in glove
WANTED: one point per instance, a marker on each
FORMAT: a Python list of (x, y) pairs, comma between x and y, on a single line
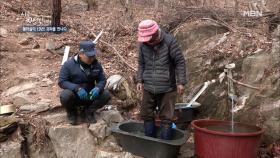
[(94, 93), (82, 93)]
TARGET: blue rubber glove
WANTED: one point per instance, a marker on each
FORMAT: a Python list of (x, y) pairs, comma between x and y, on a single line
[(94, 93), (82, 93)]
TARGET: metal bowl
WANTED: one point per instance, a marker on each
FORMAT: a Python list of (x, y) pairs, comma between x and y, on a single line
[(184, 105)]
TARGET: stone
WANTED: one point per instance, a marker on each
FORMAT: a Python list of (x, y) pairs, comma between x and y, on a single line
[(110, 143), (56, 119), (26, 41), (50, 45), (35, 45), (20, 88), (107, 154), (100, 129), (21, 99), (272, 128), (111, 117), (39, 107), (187, 150), (10, 149), (256, 66), (3, 32), (45, 152), (46, 82), (190, 33), (72, 141)]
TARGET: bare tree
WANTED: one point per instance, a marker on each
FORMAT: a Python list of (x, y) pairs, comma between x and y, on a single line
[(236, 4), (56, 13), (156, 4)]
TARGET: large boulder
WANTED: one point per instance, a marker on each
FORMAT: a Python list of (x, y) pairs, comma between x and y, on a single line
[(72, 141), (20, 88), (111, 117), (100, 130), (45, 152), (10, 149), (208, 48)]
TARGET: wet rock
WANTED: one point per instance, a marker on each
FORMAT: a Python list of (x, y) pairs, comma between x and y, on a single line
[(3, 32), (255, 66), (72, 141), (10, 149), (20, 88), (100, 129)]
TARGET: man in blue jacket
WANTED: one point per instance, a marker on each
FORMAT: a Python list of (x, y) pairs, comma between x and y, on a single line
[(83, 80)]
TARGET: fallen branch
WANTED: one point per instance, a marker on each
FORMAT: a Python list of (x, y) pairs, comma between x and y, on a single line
[(221, 22), (243, 84)]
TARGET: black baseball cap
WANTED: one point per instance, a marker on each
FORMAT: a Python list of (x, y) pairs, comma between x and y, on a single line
[(88, 47)]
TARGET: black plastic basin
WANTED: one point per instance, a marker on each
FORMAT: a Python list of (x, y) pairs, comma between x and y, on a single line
[(130, 135)]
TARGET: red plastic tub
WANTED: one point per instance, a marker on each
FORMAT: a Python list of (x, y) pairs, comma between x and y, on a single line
[(219, 143)]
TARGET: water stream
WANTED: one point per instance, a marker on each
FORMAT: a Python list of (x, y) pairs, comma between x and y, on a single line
[(232, 115)]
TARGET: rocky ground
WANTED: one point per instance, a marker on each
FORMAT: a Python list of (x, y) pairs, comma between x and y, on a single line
[(210, 39)]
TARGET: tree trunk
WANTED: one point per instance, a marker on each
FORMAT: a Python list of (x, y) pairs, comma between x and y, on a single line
[(56, 13), (156, 4), (236, 8)]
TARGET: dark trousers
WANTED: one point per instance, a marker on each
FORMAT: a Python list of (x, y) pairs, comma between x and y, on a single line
[(71, 101), (165, 103)]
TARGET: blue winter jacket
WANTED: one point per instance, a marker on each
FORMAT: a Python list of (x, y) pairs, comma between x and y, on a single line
[(73, 77)]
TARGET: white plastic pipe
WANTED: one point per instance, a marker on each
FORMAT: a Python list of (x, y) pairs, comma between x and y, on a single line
[(97, 37), (65, 55), (206, 84)]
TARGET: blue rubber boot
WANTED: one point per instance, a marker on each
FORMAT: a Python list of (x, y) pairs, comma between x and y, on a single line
[(166, 131), (150, 128)]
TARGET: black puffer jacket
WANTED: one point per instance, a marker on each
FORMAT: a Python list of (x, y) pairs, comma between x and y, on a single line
[(161, 67)]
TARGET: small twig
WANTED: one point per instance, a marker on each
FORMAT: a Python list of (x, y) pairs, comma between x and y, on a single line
[(244, 84), (118, 54)]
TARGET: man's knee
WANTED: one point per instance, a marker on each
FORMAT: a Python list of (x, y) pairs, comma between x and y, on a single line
[(105, 96), (67, 96)]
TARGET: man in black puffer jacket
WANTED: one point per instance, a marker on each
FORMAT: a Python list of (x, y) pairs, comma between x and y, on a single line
[(161, 71)]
